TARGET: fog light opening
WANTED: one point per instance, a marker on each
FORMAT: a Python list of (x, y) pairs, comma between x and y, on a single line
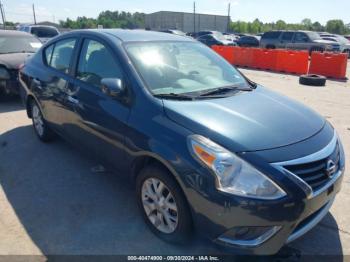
[(248, 236)]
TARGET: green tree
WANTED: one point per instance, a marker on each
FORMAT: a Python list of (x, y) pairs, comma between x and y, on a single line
[(281, 25), (307, 23), (316, 26), (335, 27)]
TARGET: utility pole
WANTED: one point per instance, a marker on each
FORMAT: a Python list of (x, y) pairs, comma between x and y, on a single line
[(228, 17), (194, 17), (3, 15), (34, 14)]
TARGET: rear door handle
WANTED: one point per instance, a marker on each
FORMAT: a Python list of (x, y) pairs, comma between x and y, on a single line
[(73, 100)]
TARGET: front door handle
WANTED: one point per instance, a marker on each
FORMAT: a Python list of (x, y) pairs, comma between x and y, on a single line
[(73, 100)]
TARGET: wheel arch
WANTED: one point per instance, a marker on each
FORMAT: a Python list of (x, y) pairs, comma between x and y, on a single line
[(28, 102), (147, 158)]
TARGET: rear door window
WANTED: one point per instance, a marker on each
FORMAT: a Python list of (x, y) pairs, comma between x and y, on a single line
[(287, 36), (59, 54)]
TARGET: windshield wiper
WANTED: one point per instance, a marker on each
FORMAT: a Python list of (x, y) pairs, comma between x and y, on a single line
[(175, 96), (224, 89)]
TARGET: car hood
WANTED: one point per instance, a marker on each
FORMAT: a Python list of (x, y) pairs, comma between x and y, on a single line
[(12, 61), (247, 121)]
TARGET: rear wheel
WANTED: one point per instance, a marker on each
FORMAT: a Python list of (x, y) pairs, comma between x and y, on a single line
[(41, 128), (163, 205), (316, 49)]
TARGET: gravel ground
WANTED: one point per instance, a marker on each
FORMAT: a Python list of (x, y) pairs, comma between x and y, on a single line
[(52, 202)]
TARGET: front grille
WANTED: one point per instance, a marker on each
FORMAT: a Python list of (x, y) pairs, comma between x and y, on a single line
[(315, 173)]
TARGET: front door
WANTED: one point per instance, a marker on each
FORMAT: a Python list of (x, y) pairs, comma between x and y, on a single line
[(100, 120)]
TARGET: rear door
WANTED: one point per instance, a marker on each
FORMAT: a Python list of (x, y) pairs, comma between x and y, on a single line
[(98, 121), (51, 82), (286, 40)]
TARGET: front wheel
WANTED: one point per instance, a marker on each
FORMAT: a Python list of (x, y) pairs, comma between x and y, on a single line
[(163, 205), (41, 128)]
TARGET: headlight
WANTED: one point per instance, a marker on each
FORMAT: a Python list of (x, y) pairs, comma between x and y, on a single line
[(233, 175)]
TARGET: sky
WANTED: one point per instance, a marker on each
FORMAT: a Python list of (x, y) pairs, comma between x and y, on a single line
[(291, 11)]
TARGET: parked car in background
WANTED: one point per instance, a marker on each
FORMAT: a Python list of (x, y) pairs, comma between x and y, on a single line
[(231, 37), (15, 47), (341, 40), (173, 31), (347, 37), (298, 40), (249, 41), (201, 33), (43, 32), (212, 151), (215, 39)]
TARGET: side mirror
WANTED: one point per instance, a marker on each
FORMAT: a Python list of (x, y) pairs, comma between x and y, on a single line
[(112, 86)]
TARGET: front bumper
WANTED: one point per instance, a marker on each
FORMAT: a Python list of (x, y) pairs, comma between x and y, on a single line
[(293, 219), (220, 216), (10, 86)]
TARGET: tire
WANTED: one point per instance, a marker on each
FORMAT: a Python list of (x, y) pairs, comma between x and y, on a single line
[(270, 47), (316, 49), (178, 232), (312, 80), (42, 130)]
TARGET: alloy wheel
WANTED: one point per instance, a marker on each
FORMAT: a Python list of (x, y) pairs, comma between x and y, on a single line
[(38, 120), (159, 205)]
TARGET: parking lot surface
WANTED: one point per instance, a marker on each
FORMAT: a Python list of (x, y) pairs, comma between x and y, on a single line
[(54, 201)]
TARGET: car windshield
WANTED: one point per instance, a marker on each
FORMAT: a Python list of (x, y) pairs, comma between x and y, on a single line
[(343, 40), (314, 36), (182, 67), (178, 32), (220, 37), (19, 44)]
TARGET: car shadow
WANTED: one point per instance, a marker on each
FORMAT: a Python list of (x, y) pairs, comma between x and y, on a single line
[(10, 103), (68, 208)]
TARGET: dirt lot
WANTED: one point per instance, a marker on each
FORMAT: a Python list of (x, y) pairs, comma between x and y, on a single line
[(52, 202)]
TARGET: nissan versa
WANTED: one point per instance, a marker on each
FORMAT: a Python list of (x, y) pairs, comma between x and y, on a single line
[(207, 148)]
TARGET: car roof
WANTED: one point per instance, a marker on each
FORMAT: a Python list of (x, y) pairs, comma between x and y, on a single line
[(45, 26), (127, 35), (13, 33)]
